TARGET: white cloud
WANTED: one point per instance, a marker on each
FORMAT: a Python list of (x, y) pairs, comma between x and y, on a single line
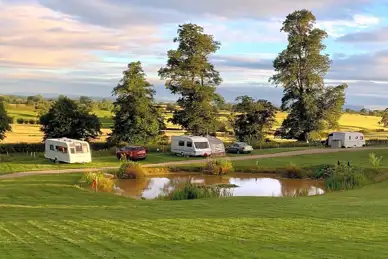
[(338, 28)]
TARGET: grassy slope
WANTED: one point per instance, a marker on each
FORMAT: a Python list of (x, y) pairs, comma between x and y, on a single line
[(31, 133), (46, 217), (20, 163)]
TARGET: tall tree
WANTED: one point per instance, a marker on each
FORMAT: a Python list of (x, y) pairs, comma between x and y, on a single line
[(189, 74), (86, 103), (254, 120), (136, 120), (5, 121), (66, 119), (300, 69)]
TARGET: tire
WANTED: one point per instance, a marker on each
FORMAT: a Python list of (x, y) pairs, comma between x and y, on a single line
[(56, 160)]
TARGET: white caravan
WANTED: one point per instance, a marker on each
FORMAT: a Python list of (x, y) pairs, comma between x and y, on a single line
[(67, 150), (190, 146), (346, 139)]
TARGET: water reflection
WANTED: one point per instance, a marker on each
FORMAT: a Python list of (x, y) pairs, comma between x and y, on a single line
[(249, 185)]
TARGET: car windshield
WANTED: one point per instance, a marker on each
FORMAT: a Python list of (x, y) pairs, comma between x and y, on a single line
[(201, 145), (241, 144)]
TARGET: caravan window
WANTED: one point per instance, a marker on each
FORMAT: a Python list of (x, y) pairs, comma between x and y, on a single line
[(52, 147), (201, 145), (181, 143), (85, 148), (78, 148), (61, 149), (189, 144), (350, 137)]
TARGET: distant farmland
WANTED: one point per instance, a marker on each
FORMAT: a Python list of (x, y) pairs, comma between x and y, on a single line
[(31, 133)]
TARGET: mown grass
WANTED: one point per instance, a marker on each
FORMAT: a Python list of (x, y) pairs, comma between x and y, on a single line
[(359, 158), (47, 217), (22, 162)]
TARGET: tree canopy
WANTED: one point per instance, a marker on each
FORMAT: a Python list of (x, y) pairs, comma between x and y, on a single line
[(66, 119), (254, 120), (189, 73), (384, 119), (5, 121), (300, 70), (136, 120)]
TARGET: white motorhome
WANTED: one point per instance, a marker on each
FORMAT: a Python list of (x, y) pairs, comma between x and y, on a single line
[(190, 146), (346, 139), (67, 150)]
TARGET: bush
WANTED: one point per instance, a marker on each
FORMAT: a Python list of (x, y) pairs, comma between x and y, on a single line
[(374, 160), (346, 177), (191, 191), (219, 167), (32, 122), (294, 171), (273, 144), (131, 170), (20, 121), (104, 183), (379, 130), (26, 121), (323, 171)]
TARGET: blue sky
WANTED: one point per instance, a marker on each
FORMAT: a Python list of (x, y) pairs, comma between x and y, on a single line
[(81, 47)]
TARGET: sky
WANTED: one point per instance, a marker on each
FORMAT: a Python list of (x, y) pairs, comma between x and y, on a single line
[(81, 47)]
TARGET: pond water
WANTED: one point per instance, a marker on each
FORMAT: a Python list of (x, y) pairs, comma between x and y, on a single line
[(249, 185)]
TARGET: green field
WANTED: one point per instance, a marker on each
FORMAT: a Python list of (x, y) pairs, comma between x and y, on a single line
[(49, 217), (30, 133), (23, 162)]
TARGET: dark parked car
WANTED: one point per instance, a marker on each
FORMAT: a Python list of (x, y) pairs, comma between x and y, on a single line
[(239, 148), (132, 153)]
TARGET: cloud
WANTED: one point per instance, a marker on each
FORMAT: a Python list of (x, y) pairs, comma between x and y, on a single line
[(34, 36), (243, 61), (376, 36), (338, 28), (113, 13), (368, 67)]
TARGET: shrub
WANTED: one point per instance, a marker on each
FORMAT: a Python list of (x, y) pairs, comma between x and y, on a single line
[(374, 160), (379, 130), (294, 171), (32, 122), (191, 191), (104, 183), (219, 167), (346, 177), (323, 171), (20, 121), (131, 170), (26, 121)]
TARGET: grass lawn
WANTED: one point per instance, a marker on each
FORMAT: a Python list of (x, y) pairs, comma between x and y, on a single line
[(359, 158), (22, 162), (48, 217)]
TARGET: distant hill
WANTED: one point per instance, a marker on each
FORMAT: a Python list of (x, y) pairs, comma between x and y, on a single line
[(353, 107)]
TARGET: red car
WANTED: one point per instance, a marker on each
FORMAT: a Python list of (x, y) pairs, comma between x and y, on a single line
[(132, 153)]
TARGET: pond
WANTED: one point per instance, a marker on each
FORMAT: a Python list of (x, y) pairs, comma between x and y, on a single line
[(248, 185)]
